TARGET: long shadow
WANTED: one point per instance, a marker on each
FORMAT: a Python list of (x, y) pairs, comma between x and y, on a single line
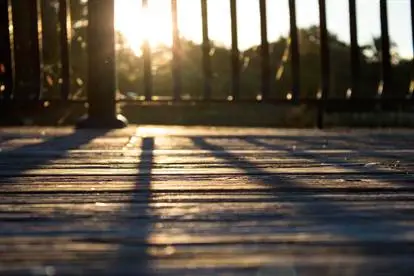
[(14, 165), (390, 145), (35, 156), (134, 224), (323, 211), (333, 161), (364, 142)]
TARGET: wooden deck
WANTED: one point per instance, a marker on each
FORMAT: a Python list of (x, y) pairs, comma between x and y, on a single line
[(206, 201)]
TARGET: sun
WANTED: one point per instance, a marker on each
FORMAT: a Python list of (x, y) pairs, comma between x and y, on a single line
[(154, 23), (137, 24)]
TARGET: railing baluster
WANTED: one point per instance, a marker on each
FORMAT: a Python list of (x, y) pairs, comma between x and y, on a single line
[(6, 59), (385, 50), (206, 51), (412, 37), (101, 67), (294, 52), (64, 22), (325, 62), (27, 45), (176, 49), (355, 51), (265, 62), (235, 54), (146, 52)]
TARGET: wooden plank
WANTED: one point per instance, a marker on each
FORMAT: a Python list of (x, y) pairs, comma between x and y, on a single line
[(206, 201)]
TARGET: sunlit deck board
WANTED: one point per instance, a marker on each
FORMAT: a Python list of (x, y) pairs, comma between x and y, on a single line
[(207, 201)]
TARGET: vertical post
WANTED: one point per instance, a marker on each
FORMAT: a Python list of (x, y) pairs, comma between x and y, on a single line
[(265, 63), (412, 37), (6, 65), (27, 49), (101, 67), (206, 51), (176, 48), (412, 23), (65, 23), (146, 51), (385, 50), (235, 54), (325, 62), (355, 51), (294, 52)]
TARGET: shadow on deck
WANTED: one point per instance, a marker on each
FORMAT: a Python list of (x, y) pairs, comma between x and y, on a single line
[(206, 201)]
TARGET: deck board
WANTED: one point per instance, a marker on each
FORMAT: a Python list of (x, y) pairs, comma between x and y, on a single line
[(199, 200)]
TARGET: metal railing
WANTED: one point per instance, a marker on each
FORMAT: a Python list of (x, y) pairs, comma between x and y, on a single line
[(22, 80)]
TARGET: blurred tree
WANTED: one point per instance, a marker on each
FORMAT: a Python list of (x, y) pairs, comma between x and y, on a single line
[(50, 47), (373, 51), (78, 39)]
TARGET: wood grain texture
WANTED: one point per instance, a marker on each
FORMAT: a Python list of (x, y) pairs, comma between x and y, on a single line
[(206, 201)]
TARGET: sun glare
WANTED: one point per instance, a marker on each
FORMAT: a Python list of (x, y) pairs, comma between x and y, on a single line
[(153, 23)]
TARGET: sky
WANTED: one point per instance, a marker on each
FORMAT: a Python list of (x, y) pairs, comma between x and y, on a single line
[(130, 20)]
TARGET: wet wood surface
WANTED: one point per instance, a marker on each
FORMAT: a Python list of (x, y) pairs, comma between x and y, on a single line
[(206, 201)]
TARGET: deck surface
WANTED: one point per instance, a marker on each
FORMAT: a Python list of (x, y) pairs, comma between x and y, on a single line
[(206, 201)]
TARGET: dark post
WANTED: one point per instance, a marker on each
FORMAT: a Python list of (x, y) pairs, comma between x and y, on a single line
[(64, 22), (385, 49), (27, 50), (294, 51), (412, 22), (6, 67), (146, 52), (355, 51), (412, 37), (264, 51), (176, 48), (206, 51), (102, 111), (325, 62), (235, 54)]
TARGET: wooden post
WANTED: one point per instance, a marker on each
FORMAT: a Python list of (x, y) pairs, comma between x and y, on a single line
[(325, 63), (146, 53), (264, 51), (355, 50), (176, 49), (386, 67), (411, 94), (27, 50), (294, 51), (6, 66), (101, 92), (235, 53), (206, 51), (64, 22)]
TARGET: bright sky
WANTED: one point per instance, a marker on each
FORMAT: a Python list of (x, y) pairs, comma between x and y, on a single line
[(157, 27)]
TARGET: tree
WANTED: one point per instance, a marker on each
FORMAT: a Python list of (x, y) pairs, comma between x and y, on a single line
[(373, 51)]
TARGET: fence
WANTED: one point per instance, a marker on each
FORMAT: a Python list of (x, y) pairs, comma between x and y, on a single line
[(21, 80)]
